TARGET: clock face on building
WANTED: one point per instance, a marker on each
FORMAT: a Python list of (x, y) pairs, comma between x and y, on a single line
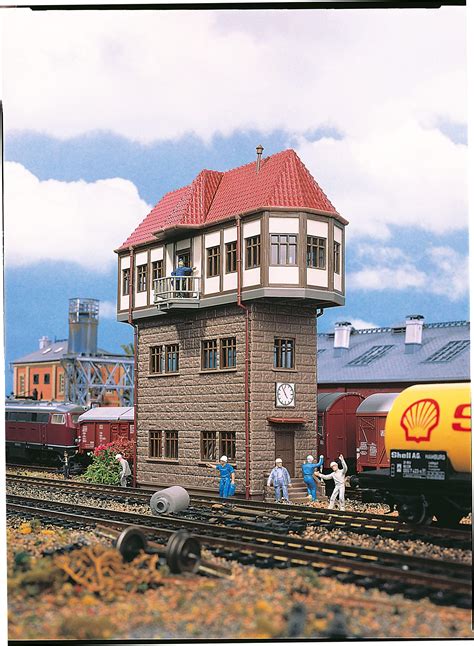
[(285, 394)]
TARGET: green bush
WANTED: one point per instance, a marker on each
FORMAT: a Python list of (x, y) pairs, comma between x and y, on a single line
[(104, 469)]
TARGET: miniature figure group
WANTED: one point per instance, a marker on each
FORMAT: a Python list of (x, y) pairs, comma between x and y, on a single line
[(280, 479)]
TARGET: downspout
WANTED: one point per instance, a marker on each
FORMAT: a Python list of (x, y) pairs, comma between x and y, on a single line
[(319, 312), (247, 357), (135, 347)]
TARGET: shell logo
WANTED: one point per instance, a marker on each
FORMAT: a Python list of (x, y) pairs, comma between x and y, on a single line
[(419, 419)]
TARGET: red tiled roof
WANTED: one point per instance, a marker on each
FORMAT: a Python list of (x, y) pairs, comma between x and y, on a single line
[(282, 181)]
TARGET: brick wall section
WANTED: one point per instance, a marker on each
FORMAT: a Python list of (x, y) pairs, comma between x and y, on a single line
[(192, 402), (270, 320)]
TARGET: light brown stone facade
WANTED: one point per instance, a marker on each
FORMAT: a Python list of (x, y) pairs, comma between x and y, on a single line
[(193, 401)]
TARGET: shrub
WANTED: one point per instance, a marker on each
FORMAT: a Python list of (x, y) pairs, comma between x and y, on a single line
[(105, 469)]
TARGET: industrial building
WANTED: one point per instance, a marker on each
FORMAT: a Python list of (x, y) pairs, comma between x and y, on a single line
[(389, 359), (224, 280), (75, 369)]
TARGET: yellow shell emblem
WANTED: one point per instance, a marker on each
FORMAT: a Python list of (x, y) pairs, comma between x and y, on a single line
[(420, 419)]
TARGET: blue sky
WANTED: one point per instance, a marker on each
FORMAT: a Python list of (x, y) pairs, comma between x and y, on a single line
[(106, 113)]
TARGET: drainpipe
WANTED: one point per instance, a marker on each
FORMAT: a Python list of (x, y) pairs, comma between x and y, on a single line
[(247, 357), (319, 312), (135, 347)]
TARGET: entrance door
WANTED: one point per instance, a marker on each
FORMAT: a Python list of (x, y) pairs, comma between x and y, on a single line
[(285, 449)]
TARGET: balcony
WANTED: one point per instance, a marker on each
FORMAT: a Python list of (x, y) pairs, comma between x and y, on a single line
[(177, 292)]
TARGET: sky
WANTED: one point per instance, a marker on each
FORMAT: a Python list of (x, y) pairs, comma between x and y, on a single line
[(104, 112)]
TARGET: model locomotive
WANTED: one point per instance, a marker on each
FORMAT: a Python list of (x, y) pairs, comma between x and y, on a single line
[(428, 444)]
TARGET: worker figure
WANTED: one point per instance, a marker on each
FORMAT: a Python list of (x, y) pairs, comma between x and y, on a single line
[(66, 466), (181, 284), (339, 477), (308, 469), (124, 469), (280, 478), (227, 481)]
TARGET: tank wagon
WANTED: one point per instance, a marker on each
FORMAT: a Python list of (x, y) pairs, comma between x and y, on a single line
[(428, 444), (37, 429), (105, 424)]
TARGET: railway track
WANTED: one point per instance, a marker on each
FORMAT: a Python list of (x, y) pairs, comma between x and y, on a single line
[(272, 516), (444, 582)]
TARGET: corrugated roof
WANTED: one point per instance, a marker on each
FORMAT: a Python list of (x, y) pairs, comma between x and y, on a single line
[(282, 181), (108, 413), (395, 365), (55, 352)]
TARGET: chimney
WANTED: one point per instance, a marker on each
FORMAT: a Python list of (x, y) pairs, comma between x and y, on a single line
[(342, 335), (413, 332), (259, 150), (44, 343)]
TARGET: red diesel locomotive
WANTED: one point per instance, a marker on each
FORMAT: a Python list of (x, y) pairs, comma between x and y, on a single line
[(34, 430)]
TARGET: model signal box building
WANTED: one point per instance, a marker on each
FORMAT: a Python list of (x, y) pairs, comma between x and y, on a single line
[(224, 280)]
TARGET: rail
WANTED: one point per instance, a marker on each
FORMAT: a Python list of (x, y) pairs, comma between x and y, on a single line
[(176, 287)]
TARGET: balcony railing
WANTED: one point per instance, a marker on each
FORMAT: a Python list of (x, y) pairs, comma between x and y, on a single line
[(182, 289)]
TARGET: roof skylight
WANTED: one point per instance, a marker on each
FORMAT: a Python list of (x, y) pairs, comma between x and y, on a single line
[(448, 352), (371, 355)]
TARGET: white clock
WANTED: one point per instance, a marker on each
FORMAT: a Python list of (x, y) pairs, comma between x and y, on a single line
[(285, 395)]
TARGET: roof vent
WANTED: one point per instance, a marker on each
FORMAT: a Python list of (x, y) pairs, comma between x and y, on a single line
[(44, 342), (414, 332), (342, 335), (259, 150)]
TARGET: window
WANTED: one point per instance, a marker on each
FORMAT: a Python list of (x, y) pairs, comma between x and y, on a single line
[(227, 444), (125, 282), (448, 351), (57, 418), (283, 249), (21, 385), (316, 252), (141, 278), (156, 444), (157, 271), (47, 379), (252, 252), (171, 445), (209, 355), (213, 261), (337, 258), (36, 379), (156, 359), (172, 358), (284, 354), (61, 383), (208, 445), (228, 353), (230, 257), (374, 353)]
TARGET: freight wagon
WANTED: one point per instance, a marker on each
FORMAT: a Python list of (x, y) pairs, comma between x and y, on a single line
[(105, 424)]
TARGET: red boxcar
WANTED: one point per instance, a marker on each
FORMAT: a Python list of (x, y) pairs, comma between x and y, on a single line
[(371, 417), (105, 424), (337, 426), (33, 427)]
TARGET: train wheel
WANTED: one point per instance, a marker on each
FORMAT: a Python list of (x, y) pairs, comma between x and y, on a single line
[(416, 511)]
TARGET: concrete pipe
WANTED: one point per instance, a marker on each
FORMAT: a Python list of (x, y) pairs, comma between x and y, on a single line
[(169, 501)]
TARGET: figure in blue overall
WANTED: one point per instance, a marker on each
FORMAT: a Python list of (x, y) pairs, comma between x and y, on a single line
[(227, 481), (280, 478), (182, 286), (308, 469)]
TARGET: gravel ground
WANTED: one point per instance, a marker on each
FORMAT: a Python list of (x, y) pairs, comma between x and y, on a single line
[(413, 547), (252, 604)]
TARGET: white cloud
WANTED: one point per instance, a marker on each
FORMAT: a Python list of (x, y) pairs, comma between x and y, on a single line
[(148, 75), (77, 222), (360, 324), (442, 271), (107, 310)]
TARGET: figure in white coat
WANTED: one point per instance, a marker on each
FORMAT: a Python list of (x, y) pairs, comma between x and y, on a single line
[(339, 477)]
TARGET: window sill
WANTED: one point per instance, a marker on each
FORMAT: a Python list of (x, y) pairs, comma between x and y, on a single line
[(284, 370), (217, 371), (163, 460), (204, 464), (164, 374)]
